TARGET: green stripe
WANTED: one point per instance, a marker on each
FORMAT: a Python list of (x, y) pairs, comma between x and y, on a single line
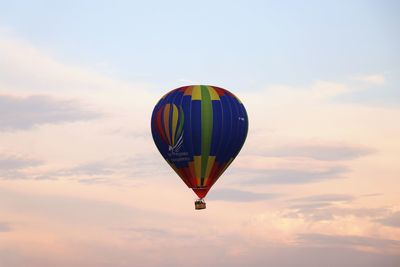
[(206, 129), (180, 127)]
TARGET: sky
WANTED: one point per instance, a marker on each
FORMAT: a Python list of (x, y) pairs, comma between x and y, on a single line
[(316, 183)]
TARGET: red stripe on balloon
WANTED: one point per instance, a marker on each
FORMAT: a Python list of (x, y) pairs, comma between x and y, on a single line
[(219, 91), (159, 127), (213, 174)]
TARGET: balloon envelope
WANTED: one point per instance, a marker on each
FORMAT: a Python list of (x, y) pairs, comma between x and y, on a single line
[(199, 130)]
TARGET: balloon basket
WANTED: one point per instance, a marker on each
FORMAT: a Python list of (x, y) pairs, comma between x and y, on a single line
[(200, 204)]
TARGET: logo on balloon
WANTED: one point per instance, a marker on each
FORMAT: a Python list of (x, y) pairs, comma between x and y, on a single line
[(178, 145), (169, 126)]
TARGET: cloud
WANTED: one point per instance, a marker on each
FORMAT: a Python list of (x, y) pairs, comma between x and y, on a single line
[(15, 163), (350, 241), (235, 195), (320, 152), (283, 95), (148, 231), (312, 256), (12, 167), (373, 79), (91, 168), (97, 180), (26, 112), (158, 233), (317, 207), (25, 67), (102, 254), (293, 176), (330, 206), (326, 198), (4, 227), (91, 172), (109, 171), (76, 210), (393, 220)]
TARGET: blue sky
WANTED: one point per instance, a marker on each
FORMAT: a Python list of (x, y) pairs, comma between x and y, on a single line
[(241, 44)]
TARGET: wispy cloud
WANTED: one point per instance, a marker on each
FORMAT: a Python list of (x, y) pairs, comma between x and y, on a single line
[(320, 151), (148, 231), (26, 112), (373, 79), (325, 198), (108, 171), (90, 169), (75, 209), (5, 227), (236, 195), (350, 241), (25, 67), (294, 176), (12, 167), (392, 220), (159, 233), (16, 162), (330, 206)]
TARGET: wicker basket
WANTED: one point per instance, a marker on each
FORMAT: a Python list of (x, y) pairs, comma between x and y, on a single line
[(200, 204)]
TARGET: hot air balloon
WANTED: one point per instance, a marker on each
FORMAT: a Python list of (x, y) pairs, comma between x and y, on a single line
[(199, 130)]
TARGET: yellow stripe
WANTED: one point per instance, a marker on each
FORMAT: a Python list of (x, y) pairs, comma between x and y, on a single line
[(174, 122), (166, 121), (196, 94), (197, 168), (213, 94), (210, 164)]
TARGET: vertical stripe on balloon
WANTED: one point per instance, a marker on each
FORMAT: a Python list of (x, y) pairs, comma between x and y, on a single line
[(213, 94), (182, 119), (206, 129), (159, 127), (166, 122), (226, 130), (192, 173), (197, 169), (216, 138), (174, 123), (196, 93), (210, 164), (196, 126)]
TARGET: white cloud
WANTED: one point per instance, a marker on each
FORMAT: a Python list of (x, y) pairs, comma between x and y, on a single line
[(279, 95), (37, 89), (373, 79), (27, 112), (27, 69)]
